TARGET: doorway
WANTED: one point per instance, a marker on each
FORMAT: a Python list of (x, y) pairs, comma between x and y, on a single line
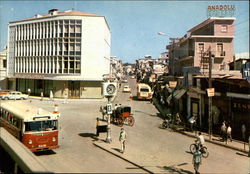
[(74, 89)]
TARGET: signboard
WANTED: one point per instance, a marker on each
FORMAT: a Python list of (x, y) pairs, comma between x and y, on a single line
[(109, 108), (221, 10), (210, 92), (172, 84)]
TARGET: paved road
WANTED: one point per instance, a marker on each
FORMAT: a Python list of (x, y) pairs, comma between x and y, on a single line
[(77, 152), (169, 149), (164, 149)]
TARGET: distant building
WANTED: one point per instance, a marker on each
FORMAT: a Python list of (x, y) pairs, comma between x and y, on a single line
[(66, 52), (190, 53), (116, 67), (243, 65), (3, 68)]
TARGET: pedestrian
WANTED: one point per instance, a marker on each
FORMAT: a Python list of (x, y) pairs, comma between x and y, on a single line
[(229, 133), (249, 146), (122, 139), (51, 95), (41, 95), (192, 121), (29, 91), (197, 160), (223, 131), (243, 131), (97, 126)]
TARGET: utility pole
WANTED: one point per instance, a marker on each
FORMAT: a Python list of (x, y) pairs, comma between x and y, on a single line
[(210, 97)]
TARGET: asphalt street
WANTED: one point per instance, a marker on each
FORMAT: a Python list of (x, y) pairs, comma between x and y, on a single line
[(164, 149)]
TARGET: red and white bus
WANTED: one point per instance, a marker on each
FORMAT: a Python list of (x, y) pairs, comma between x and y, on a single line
[(35, 127)]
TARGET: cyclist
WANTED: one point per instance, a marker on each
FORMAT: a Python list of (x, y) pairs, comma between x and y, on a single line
[(200, 140)]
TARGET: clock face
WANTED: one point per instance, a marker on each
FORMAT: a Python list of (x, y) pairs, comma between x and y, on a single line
[(110, 89)]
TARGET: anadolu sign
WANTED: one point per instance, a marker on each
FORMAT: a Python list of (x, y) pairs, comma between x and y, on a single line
[(221, 10)]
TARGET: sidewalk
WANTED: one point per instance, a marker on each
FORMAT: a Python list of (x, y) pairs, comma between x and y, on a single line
[(67, 100), (235, 144)]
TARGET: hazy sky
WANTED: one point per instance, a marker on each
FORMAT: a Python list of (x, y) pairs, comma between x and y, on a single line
[(134, 24)]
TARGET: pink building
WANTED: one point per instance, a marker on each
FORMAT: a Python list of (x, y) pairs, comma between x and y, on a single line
[(190, 53)]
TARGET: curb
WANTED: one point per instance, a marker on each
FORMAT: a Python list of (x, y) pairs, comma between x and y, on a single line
[(131, 162)]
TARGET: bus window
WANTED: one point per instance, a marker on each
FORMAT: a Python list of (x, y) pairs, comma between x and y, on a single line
[(46, 125), (144, 90)]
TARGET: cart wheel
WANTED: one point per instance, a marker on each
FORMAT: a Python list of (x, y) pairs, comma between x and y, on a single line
[(120, 121), (131, 121)]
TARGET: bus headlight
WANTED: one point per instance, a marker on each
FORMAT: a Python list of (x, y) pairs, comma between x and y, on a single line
[(54, 139), (30, 142)]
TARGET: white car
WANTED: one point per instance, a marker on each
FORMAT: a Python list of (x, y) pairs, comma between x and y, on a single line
[(14, 95), (126, 88)]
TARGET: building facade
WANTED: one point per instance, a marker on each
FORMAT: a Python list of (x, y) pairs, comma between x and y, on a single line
[(64, 52), (191, 51)]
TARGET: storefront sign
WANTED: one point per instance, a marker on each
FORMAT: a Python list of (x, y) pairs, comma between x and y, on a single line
[(210, 92), (242, 106), (221, 10), (172, 84)]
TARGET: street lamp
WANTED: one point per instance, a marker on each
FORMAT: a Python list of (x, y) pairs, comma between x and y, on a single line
[(173, 45)]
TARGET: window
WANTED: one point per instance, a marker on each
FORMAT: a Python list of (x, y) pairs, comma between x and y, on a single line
[(201, 47), (5, 63), (220, 49), (224, 28)]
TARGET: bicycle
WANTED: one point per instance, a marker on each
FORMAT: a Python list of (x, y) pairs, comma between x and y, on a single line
[(202, 149)]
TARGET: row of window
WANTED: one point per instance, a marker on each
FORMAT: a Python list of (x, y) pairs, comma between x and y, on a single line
[(47, 48), (49, 29), (48, 65)]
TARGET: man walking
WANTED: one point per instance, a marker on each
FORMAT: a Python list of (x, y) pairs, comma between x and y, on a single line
[(122, 139), (197, 160)]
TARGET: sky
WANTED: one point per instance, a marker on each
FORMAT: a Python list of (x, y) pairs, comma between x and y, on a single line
[(134, 24)]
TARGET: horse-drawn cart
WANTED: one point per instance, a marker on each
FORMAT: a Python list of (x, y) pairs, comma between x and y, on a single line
[(122, 115)]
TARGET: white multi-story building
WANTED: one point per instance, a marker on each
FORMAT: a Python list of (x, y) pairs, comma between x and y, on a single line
[(64, 52)]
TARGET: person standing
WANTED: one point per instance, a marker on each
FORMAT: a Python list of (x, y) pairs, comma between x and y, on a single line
[(243, 131), (97, 126), (249, 146), (223, 130), (229, 133), (197, 160), (122, 139)]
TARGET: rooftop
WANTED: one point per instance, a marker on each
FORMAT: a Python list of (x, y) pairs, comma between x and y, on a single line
[(55, 12)]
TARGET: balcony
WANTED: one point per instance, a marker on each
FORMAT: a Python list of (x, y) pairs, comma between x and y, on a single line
[(220, 54)]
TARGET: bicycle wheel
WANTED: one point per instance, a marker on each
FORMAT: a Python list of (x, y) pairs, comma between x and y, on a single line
[(192, 148), (204, 152)]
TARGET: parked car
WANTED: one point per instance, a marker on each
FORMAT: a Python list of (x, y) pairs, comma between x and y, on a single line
[(13, 95), (126, 88)]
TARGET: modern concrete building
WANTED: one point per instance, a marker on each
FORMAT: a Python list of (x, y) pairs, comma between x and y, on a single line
[(66, 52), (190, 53)]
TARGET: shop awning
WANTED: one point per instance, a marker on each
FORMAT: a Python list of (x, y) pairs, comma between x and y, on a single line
[(177, 94)]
